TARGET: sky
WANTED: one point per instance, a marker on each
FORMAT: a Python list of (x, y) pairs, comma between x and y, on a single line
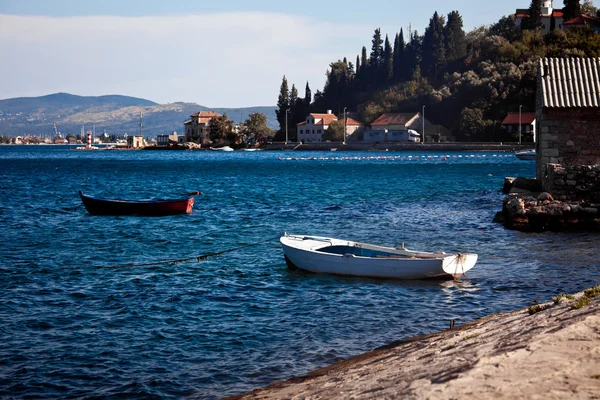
[(228, 53)]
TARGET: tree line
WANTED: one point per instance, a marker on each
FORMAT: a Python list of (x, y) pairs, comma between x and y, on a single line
[(466, 81)]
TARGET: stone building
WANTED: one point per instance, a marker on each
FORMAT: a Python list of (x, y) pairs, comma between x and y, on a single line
[(197, 128), (568, 126), (311, 130)]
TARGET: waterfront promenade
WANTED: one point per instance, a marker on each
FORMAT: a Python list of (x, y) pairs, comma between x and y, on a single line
[(549, 351), (404, 146)]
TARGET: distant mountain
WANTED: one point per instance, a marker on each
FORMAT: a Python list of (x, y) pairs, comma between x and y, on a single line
[(114, 114)]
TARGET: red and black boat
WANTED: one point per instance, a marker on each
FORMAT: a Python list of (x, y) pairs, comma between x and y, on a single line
[(159, 207)]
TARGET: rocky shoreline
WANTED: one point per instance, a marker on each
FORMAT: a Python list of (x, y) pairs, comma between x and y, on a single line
[(549, 350), (529, 209)]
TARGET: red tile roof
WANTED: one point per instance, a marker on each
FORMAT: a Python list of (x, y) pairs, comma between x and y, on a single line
[(557, 13), (350, 121), (206, 114), (527, 118), (326, 119), (393, 119), (583, 20)]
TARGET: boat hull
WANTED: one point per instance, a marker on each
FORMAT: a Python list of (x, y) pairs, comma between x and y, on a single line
[(526, 155), (310, 254), (100, 206)]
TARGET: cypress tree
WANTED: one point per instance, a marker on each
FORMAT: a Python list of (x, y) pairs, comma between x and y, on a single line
[(283, 103), (401, 57), (535, 14), (293, 100), (388, 62), (455, 39), (572, 9), (307, 94), (376, 59), (433, 46), (364, 61), (357, 65), (413, 56)]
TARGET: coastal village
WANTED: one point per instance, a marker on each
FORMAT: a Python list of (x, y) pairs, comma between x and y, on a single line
[(549, 349)]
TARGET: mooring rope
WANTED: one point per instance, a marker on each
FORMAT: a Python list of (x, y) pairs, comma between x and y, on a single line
[(180, 260)]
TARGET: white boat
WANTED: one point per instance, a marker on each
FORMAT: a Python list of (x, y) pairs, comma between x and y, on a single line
[(526, 155), (342, 257), (224, 148)]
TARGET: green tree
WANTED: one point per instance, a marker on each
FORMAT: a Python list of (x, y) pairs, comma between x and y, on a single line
[(295, 107), (506, 28), (388, 62), (283, 103), (433, 46), (335, 131), (471, 124), (221, 129), (413, 56), (399, 49), (571, 10), (587, 8), (256, 127), (376, 58), (454, 36), (535, 14)]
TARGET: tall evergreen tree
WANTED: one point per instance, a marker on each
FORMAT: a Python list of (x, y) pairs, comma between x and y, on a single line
[(357, 65), (399, 58), (295, 113), (283, 103), (535, 14), (433, 46), (455, 39), (364, 61), (307, 95), (413, 56), (376, 58), (388, 62), (572, 9)]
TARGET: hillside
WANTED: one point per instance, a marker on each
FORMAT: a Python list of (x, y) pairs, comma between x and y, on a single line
[(114, 114)]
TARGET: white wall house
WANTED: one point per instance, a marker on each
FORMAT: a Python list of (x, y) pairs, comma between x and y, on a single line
[(548, 12), (394, 127), (311, 130)]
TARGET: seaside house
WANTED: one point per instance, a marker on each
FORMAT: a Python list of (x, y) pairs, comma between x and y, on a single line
[(313, 127), (197, 128), (166, 140), (583, 20), (568, 124), (548, 13), (401, 127), (527, 121)]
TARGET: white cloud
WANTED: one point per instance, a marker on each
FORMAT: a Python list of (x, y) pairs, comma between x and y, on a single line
[(218, 60)]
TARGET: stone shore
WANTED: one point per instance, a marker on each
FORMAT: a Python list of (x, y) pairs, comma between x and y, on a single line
[(527, 208), (547, 351)]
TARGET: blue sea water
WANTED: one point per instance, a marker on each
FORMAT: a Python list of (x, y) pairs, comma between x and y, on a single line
[(77, 321)]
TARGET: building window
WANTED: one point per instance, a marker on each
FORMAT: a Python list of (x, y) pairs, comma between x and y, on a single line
[(318, 131), (301, 131)]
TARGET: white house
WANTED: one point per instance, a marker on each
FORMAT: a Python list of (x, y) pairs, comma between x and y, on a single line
[(312, 128), (548, 12), (394, 127)]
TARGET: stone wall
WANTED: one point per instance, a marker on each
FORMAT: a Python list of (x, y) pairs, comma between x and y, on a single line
[(570, 183), (568, 137)]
